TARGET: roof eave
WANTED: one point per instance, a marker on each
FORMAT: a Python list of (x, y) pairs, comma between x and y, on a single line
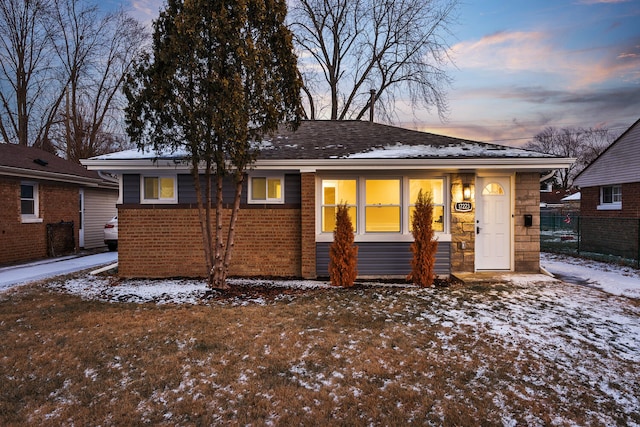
[(51, 176), (310, 165), (417, 164)]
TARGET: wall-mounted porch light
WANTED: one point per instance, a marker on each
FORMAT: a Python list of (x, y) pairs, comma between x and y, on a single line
[(466, 192)]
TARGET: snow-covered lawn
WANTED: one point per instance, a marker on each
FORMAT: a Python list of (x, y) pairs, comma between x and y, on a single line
[(610, 278), (528, 350)]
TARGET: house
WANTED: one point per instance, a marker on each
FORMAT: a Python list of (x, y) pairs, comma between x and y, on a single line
[(610, 198), (50, 206), (486, 203)]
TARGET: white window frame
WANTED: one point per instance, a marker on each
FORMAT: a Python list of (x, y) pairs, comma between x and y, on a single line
[(159, 200), (35, 216), (614, 204), (445, 202), (365, 207), (405, 221), (267, 177)]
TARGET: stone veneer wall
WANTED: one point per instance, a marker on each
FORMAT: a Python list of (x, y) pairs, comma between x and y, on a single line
[(527, 239), (463, 225)]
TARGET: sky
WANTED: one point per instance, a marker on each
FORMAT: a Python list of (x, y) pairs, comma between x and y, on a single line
[(523, 65)]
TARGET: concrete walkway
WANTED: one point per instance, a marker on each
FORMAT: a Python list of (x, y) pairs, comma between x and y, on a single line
[(39, 270)]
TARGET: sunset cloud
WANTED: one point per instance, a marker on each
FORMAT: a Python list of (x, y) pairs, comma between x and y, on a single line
[(538, 52)]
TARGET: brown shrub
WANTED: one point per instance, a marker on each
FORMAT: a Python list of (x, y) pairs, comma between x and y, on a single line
[(343, 254), (424, 246)]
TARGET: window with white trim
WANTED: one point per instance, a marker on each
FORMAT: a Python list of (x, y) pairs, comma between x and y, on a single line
[(434, 187), (266, 189), (380, 205), (335, 192), (29, 202), (159, 189), (382, 210), (610, 197)]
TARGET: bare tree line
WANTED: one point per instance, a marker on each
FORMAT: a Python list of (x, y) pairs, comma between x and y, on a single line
[(582, 144), (350, 49), (62, 66)]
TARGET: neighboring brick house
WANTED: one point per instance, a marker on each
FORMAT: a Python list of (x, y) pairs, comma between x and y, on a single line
[(486, 201), (38, 192), (610, 198)]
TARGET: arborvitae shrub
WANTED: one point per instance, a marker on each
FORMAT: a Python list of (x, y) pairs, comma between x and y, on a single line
[(343, 254), (424, 246)]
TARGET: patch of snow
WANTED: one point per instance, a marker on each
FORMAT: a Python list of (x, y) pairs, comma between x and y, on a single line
[(610, 278), (465, 149)]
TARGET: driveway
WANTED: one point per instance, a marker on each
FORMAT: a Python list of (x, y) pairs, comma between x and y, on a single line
[(39, 270)]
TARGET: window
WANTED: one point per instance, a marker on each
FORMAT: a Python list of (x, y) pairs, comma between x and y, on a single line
[(382, 205), (266, 189), (335, 192), (379, 206), (610, 197), (29, 209), (436, 188), (159, 189), (493, 189)]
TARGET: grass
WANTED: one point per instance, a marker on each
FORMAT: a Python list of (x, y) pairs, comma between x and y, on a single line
[(365, 356)]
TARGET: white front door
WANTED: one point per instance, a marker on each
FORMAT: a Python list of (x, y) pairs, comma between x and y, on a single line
[(493, 223)]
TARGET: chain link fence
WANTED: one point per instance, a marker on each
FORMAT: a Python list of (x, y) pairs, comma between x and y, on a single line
[(607, 239)]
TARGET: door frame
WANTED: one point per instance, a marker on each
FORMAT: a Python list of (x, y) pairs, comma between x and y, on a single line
[(481, 180)]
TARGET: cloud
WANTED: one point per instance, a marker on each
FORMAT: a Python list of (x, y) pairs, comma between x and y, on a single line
[(509, 51), (540, 52), (145, 11)]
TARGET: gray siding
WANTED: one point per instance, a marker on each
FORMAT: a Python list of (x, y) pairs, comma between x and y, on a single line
[(99, 207), (292, 189), (187, 191), (384, 258), (131, 188), (619, 164)]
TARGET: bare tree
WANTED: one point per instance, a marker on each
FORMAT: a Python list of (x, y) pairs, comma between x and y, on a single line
[(30, 91), (62, 64), (582, 144), (95, 50), (352, 47)]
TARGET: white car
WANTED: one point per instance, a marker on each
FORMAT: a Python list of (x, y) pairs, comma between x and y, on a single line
[(111, 233)]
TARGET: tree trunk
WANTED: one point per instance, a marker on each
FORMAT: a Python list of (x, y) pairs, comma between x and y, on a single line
[(232, 226), (218, 275), (204, 214)]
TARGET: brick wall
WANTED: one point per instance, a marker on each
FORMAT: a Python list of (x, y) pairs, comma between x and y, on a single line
[(308, 225), (166, 241), (527, 239), (22, 242), (590, 199), (612, 232)]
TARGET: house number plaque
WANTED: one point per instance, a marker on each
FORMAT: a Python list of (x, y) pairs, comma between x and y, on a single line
[(463, 207)]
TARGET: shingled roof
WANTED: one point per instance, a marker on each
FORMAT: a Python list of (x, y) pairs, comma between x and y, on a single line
[(360, 139), (18, 160), (350, 139)]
